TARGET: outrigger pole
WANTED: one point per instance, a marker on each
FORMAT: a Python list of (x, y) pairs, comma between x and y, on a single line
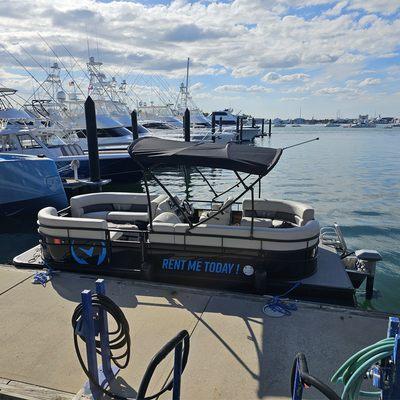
[(299, 144)]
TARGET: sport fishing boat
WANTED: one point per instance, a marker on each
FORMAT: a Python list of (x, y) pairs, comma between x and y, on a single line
[(27, 184), (257, 245)]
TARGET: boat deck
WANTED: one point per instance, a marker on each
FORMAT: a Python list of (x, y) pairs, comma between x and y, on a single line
[(236, 351), (329, 284)]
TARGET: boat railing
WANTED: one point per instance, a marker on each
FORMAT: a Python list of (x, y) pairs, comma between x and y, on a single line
[(142, 236), (333, 236)]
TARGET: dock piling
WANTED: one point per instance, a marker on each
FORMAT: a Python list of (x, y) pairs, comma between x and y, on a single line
[(269, 127), (237, 124), (135, 130), (241, 130), (253, 122), (213, 123), (262, 126), (220, 124), (186, 125), (91, 133)]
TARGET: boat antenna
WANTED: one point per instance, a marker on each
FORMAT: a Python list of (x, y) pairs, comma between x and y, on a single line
[(299, 144)]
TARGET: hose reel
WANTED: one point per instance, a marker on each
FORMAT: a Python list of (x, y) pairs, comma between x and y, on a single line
[(90, 325)]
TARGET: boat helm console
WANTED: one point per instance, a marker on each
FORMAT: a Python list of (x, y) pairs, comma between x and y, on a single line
[(255, 245)]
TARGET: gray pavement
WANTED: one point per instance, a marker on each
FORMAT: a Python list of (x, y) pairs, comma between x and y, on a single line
[(236, 351)]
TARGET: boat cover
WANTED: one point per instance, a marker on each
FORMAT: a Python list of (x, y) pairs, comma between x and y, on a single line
[(151, 152)]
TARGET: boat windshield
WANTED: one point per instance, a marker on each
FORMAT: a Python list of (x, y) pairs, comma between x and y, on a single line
[(50, 139)]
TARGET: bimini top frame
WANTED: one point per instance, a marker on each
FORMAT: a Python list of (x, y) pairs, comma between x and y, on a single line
[(151, 152)]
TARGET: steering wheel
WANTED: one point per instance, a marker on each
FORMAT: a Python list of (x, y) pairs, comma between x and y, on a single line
[(188, 208)]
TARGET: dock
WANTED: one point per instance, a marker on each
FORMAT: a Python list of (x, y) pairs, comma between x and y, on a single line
[(237, 352)]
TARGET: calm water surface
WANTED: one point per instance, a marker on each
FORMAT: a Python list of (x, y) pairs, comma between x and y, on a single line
[(350, 176)]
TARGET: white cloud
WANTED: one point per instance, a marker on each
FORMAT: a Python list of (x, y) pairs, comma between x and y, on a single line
[(273, 77), (385, 7), (369, 82), (243, 88), (337, 8)]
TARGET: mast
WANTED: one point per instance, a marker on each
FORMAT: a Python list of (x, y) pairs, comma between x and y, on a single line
[(187, 82)]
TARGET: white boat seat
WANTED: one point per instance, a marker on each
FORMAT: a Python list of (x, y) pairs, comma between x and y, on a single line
[(291, 211), (51, 224), (125, 216), (99, 205), (264, 222), (165, 205), (167, 218), (237, 237), (224, 218)]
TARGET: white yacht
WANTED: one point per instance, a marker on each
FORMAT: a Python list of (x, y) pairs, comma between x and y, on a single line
[(363, 122), (278, 123)]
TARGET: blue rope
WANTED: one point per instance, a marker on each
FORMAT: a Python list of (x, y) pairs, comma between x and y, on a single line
[(43, 277), (277, 305)]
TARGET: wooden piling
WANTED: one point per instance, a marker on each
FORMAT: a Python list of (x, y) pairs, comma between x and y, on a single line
[(91, 134), (186, 125), (135, 130)]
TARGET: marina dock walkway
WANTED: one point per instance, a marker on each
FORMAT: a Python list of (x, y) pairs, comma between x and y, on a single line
[(236, 351)]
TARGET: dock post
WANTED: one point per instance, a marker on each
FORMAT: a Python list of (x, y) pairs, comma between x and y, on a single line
[(237, 124), (186, 125), (90, 339), (213, 123), (135, 130), (220, 124), (91, 133), (269, 127), (253, 122), (262, 127), (241, 130)]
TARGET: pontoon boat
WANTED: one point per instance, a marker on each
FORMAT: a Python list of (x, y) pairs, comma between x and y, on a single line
[(257, 245)]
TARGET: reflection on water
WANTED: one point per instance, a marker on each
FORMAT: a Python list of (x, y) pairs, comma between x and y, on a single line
[(348, 176)]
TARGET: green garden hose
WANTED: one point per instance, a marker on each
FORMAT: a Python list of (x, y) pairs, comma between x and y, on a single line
[(352, 372)]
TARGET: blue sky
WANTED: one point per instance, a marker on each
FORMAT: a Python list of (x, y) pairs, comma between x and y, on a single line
[(265, 57)]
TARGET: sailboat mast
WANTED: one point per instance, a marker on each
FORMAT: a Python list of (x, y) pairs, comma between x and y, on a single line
[(187, 82)]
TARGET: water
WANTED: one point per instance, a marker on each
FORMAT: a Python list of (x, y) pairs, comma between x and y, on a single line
[(350, 176)]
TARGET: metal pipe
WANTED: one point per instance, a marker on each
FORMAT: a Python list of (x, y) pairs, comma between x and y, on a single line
[(91, 133), (135, 130)]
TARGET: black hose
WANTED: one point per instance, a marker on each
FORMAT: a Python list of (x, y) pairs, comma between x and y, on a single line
[(310, 380), (119, 338)]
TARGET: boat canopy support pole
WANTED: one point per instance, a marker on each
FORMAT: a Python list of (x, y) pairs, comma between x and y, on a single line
[(224, 207), (172, 199), (232, 187), (207, 182)]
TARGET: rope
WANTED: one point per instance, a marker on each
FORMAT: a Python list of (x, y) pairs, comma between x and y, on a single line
[(276, 305), (43, 277)]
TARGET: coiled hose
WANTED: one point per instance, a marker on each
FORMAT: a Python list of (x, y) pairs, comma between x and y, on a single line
[(352, 372), (119, 338)]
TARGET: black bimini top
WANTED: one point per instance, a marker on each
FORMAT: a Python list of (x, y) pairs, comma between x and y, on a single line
[(150, 152)]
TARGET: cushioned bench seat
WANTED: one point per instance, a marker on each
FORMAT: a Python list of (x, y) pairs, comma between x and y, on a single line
[(283, 210), (51, 224), (116, 207), (237, 237), (264, 222)]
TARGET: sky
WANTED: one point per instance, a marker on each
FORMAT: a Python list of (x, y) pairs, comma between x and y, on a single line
[(268, 58)]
